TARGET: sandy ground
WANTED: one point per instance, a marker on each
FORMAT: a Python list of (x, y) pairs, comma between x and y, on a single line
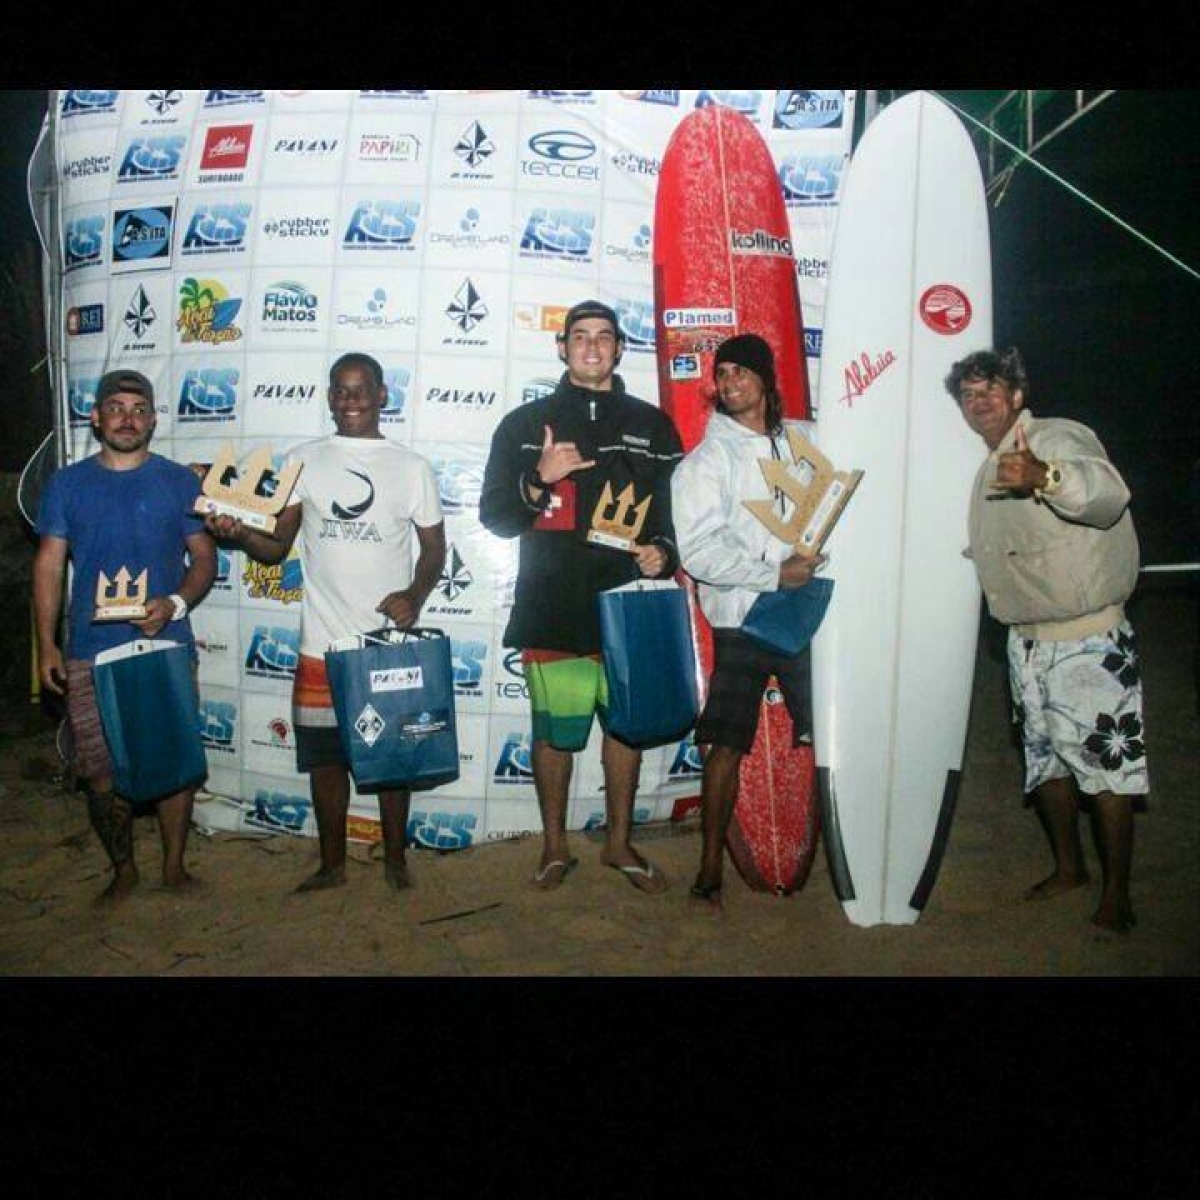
[(471, 912)]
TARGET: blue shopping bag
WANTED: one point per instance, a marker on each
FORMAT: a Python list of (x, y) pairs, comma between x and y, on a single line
[(393, 693), (150, 714), (785, 621), (649, 662)]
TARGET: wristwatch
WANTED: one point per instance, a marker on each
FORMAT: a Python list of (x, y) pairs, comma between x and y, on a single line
[(180, 606), (1053, 481)]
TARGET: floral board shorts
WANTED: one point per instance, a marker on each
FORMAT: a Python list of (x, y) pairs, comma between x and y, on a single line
[(1079, 708)]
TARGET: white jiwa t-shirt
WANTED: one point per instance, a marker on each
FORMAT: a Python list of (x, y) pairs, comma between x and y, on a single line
[(361, 498)]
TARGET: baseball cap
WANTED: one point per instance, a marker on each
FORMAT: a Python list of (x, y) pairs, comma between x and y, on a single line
[(124, 380), (591, 308)]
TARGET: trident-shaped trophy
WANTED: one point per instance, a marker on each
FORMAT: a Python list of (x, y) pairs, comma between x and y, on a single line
[(819, 495), (611, 522), (122, 598), (245, 497)]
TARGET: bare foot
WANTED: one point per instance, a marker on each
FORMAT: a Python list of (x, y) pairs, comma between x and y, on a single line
[(323, 879), (640, 872), (395, 875), (181, 881), (1056, 884), (1115, 916), (550, 875), (123, 883), (706, 897)]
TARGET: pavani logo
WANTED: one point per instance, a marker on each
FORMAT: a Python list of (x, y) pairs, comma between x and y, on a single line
[(863, 372)]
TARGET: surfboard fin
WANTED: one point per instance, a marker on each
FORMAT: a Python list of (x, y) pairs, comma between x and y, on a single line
[(941, 836), (835, 851)]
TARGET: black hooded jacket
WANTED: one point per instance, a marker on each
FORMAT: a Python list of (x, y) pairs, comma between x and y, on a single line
[(560, 572)]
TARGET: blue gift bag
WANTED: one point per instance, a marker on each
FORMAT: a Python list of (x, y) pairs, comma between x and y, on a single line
[(393, 693), (150, 714), (785, 621), (649, 662)]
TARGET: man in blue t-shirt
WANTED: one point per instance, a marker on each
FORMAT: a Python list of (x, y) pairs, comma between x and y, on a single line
[(121, 508)]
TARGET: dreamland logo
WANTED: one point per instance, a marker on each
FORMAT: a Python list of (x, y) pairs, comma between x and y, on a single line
[(797, 109), (208, 394), (206, 313), (274, 652), (154, 159), (142, 235), (283, 582)]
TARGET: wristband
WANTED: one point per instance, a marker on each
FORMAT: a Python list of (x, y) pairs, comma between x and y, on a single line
[(1053, 481), (180, 606)]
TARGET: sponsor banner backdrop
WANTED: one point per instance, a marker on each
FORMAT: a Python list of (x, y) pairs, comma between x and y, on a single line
[(230, 243)]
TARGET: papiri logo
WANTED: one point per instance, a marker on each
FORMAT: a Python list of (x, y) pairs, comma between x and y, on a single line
[(636, 319), (88, 101), (802, 109), (142, 235), (274, 652), (515, 762), (811, 180), (289, 305), (81, 397), (745, 102), (228, 97), (760, 242), (83, 242), (153, 159), (863, 372), (558, 233), (206, 313), (208, 394), (945, 309), (382, 225), (217, 229), (388, 148)]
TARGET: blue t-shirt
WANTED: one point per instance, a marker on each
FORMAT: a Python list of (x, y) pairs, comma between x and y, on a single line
[(136, 519)]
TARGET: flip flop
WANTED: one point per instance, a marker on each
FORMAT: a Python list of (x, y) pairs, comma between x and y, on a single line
[(539, 876), (709, 894), (634, 871)]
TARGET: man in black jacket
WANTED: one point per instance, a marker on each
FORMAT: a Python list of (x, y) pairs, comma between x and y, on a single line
[(570, 475)]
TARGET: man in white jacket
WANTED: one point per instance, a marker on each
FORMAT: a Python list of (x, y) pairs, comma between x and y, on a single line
[(1057, 558), (734, 558)]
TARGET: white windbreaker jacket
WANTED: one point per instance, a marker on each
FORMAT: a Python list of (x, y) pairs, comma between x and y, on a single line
[(724, 547)]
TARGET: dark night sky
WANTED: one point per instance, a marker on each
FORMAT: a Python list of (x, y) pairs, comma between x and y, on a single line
[(1107, 326)]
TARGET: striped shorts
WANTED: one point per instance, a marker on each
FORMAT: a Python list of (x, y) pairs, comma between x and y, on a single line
[(318, 743), (565, 691)]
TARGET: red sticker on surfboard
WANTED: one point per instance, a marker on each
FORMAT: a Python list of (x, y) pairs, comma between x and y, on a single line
[(945, 309)]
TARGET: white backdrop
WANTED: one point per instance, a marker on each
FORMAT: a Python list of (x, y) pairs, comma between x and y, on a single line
[(230, 244)]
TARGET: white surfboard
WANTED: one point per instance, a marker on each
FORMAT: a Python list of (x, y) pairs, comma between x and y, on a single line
[(910, 292)]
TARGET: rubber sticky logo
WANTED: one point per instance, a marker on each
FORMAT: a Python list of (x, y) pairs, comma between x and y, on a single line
[(945, 309)]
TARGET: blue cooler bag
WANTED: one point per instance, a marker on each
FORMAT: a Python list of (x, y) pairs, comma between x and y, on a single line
[(393, 693), (150, 714), (649, 662), (785, 621)]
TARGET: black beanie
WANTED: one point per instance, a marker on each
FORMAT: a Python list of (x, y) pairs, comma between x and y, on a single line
[(751, 351)]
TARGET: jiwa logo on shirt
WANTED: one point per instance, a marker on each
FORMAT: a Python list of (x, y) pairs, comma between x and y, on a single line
[(397, 679)]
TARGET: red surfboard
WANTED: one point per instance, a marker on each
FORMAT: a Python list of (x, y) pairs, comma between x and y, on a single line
[(723, 265)]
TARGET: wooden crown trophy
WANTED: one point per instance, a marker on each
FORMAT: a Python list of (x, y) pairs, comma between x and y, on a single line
[(611, 522), (819, 499), (122, 598), (228, 491)]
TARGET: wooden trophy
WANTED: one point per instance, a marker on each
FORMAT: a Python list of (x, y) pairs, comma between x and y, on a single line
[(122, 598), (818, 492), (612, 523), (228, 491)]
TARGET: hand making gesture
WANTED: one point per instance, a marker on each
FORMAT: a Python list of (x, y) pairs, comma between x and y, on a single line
[(559, 459), (1020, 470)]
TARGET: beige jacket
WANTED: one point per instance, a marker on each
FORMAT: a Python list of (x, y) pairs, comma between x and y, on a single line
[(1062, 567)]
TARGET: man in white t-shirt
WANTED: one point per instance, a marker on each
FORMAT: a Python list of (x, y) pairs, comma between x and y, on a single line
[(356, 504)]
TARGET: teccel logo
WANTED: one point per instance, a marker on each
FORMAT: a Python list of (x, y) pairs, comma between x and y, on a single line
[(562, 154)]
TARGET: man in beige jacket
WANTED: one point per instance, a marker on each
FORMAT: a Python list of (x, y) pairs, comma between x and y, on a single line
[(1057, 557)]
